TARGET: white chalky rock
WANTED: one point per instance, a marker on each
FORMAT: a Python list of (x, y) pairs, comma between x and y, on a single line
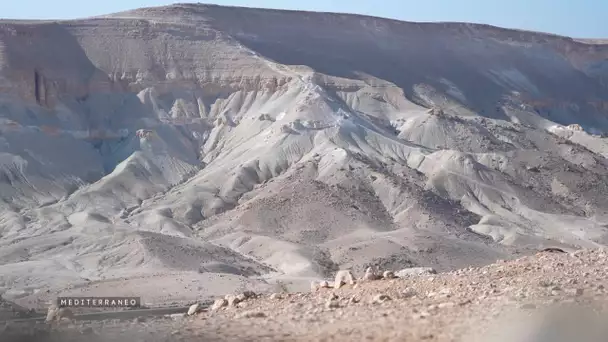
[(575, 127), (233, 300), (314, 286), (193, 309), (218, 304), (317, 285), (388, 275), (324, 284), (57, 314), (344, 277), (370, 275)]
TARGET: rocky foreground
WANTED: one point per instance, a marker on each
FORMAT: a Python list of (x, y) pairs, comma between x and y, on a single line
[(492, 303)]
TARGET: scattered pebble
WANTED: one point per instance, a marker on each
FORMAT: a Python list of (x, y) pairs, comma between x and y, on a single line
[(381, 298)]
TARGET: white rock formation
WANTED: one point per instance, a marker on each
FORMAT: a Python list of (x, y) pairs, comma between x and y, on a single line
[(344, 277), (388, 275), (56, 314), (218, 304), (132, 154), (370, 274), (193, 309)]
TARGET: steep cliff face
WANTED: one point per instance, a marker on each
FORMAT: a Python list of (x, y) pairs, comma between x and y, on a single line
[(308, 141), (44, 62)]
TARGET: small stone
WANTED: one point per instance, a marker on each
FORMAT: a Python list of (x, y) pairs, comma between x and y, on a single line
[(446, 292), (380, 298), (421, 315), (252, 314), (465, 302), (275, 296), (369, 275), (344, 277), (446, 305), (409, 293), (218, 304), (59, 314), (324, 284), (575, 292), (332, 304), (51, 314), (388, 275), (193, 309), (353, 300), (232, 300), (249, 294), (314, 286)]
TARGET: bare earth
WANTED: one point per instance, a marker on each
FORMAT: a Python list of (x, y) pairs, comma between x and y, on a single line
[(498, 302)]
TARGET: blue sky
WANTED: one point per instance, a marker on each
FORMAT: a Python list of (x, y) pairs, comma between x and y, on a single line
[(577, 18)]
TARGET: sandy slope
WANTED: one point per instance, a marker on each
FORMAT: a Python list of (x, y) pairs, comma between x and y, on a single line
[(206, 143)]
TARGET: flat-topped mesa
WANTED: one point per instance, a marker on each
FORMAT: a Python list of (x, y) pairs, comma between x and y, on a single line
[(190, 12)]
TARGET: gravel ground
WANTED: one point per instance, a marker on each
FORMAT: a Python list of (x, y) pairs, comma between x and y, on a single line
[(492, 303), (455, 306)]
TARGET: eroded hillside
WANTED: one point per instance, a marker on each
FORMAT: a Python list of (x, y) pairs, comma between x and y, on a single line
[(233, 147)]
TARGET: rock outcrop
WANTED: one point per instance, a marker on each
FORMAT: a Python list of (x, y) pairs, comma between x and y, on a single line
[(344, 277)]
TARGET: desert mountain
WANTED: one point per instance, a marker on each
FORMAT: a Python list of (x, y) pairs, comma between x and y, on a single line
[(187, 150)]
